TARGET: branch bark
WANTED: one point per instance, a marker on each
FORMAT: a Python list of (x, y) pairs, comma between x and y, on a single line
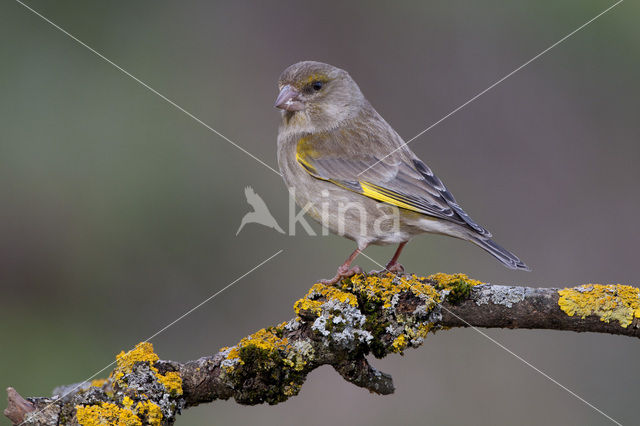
[(336, 325)]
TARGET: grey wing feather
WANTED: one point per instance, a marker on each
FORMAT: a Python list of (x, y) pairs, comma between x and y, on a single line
[(448, 197), (341, 156)]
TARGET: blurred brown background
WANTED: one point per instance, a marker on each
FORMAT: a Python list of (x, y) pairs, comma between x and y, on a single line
[(118, 212)]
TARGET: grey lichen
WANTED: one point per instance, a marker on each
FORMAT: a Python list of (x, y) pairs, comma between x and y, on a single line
[(342, 323), (506, 296)]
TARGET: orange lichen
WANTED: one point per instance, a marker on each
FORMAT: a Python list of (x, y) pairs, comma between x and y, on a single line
[(609, 302)]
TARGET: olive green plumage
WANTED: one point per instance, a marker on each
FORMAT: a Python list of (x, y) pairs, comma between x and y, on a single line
[(344, 163)]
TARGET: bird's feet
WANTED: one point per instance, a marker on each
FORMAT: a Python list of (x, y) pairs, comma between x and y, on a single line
[(393, 267), (344, 271)]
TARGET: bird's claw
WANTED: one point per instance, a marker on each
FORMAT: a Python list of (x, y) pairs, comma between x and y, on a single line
[(343, 272), (393, 267)]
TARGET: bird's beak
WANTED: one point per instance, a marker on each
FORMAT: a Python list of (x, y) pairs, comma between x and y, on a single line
[(288, 99)]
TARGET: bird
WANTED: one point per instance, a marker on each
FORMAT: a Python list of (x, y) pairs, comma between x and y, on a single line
[(352, 172), (260, 213)]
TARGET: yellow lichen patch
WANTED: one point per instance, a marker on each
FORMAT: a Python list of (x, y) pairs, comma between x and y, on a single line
[(414, 333), (151, 411), (384, 288), (127, 402), (106, 414), (399, 343), (268, 349), (264, 340), (609, 302), (420, 331), (172, 382), (304, 304), (98, 382), (143, 352), (292, 389), (325, 292), (447, 281), (295, 360), (234, 354)]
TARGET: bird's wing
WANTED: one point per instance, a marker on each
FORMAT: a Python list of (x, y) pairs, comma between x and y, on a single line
[(355, 159)]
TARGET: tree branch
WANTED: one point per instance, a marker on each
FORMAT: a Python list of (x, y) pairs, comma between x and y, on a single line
[(335, 325)]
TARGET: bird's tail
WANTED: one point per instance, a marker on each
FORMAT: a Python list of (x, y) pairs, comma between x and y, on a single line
[(507, 258)]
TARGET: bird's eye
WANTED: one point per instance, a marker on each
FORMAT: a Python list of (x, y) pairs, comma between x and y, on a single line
[(317, 85)]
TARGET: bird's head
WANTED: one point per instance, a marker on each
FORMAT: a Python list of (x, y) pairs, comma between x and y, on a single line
[(317, 96)]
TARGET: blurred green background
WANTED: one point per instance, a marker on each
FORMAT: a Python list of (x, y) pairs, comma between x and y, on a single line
[(118, 212)]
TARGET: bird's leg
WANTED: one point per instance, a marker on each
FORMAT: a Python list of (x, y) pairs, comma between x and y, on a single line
[(345, 270), (393, 265)]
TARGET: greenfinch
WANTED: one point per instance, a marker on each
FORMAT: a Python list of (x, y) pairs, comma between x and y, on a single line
[(349, 170)]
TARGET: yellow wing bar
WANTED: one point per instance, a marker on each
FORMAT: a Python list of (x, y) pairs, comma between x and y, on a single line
[(378, 193), (390, 197)]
